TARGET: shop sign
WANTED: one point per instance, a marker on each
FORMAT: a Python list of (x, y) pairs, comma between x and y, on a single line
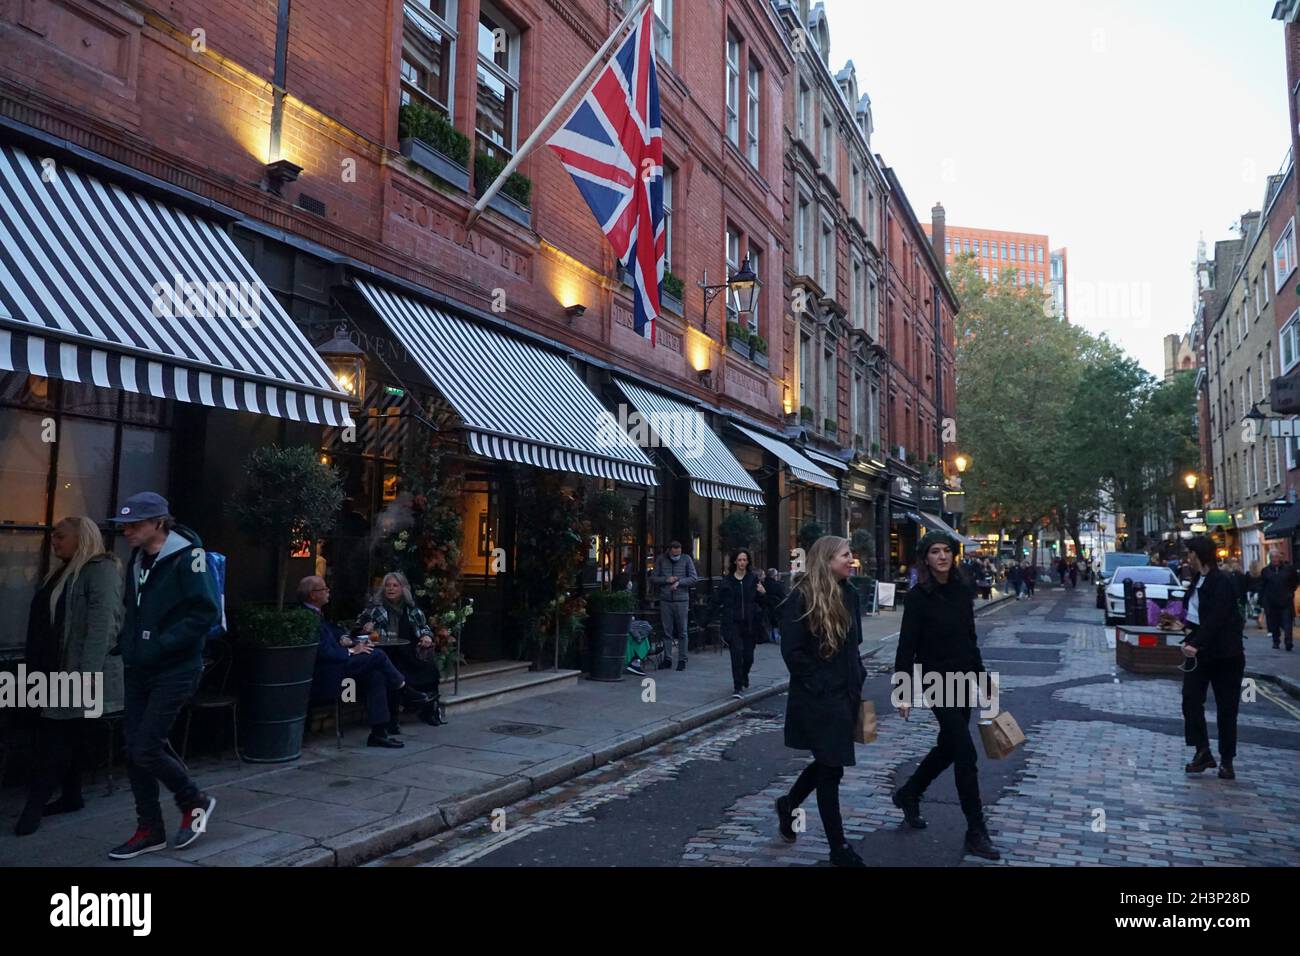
[(1219, 517), (954, 502), (932, 499), (1272, 510), (903, 489)]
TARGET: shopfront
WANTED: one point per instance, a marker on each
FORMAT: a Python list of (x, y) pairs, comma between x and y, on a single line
[(905, 526)]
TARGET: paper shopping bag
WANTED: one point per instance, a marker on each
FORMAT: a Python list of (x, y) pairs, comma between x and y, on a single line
[(1001, 735), (865, 730)]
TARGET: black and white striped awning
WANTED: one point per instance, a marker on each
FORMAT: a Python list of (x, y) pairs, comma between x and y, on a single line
[(714, 471), (108, 287), (518, 402), (800, 467), (826, 460)]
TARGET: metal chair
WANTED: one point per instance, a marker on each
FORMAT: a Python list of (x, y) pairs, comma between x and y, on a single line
[(212, 693)]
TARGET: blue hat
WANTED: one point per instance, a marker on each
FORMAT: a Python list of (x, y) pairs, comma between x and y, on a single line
[(142, 507)]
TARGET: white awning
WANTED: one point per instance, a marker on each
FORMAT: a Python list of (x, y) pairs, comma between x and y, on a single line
[(800, 467), (714, 471), (935, 523), (518, 401), (108, 287), (826, 460)]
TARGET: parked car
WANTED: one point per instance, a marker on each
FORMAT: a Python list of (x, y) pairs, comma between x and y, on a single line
[(1157, 581), (1111, 561)]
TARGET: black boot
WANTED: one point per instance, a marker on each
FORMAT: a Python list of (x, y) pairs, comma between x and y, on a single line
[(1225, 769), (66, 803), (845, 855), (785, 819), (978, 842), (29, 821), (429, 713), (911, 807), (1204, 760)]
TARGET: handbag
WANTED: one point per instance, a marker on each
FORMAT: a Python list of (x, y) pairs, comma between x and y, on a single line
[(864, 731)]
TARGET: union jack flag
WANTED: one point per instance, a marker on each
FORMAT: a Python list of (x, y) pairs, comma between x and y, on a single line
[(612, 146)]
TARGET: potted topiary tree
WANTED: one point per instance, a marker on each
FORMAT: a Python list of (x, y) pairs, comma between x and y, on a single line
[(863, 544), (609, 613), (739, 529), (809, 533), (289, 500)]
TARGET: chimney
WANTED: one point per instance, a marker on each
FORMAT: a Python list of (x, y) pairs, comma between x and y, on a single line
[(937, 231)]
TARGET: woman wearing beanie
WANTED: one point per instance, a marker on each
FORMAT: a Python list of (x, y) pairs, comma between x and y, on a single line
[(821, 628), (1214, 657), (938, 632)]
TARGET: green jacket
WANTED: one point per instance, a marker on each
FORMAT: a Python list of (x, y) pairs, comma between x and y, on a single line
[(168, 617), (92, 618)]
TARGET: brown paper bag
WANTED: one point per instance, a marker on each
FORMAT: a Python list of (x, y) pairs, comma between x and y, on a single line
[(1001, 735), (865, 730)]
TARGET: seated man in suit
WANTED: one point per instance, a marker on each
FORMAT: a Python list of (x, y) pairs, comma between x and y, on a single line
[(340, 657)]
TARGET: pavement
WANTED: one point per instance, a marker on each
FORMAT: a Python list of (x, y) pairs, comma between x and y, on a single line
[(342, 807)]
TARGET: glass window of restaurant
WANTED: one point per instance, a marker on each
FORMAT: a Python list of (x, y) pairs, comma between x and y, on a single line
[(67, 449)]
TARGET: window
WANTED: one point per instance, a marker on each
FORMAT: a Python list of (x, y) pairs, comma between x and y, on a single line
[(733, 265), (498, 83), (1288, 339), (733, 88), (985, 274), (428, 54), (664, 30), (965, 244), (805, 111), (873, 310), (858, 305), (947, 246), (871, 215), (1004, 250), (668, 216), (752, 118), (1284, 255), (805, 370), (756, 264), (995, 273), (1023, 257), (827, 277), (873, 418), (994, 245), (1264, 282), (828, 144), (829, 405), (802, 233), (1040, 253)]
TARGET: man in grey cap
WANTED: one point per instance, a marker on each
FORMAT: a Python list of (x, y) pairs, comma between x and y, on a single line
[(171, 605)]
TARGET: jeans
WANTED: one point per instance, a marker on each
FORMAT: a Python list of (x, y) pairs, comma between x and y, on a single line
[(954, 748), (673, 616), (1224, 676), (152, 703), (742, 655), (1279, 618)]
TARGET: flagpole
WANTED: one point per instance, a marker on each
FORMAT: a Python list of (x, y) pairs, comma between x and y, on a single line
[(562, 102)]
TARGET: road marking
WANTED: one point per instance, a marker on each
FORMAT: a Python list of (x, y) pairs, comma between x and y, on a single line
[(1286, 705)]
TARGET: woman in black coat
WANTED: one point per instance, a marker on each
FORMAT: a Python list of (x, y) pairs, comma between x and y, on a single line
[(738, 603), (938, 633), (821, 630)]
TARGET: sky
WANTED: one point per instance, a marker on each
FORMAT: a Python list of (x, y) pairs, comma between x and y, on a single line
[(1123, 130)]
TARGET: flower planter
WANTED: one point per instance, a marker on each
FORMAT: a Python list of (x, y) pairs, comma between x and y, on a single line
[(442, 166), (739, 346), (512, 210), (274, 693), (670, 302), (760, 358)]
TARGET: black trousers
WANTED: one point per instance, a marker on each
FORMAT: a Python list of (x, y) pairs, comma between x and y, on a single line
[(954, 748), (152, 703), (826, 781), (58, 761), (1279, 617), (1224, 675), (742, 655), (378, 676)]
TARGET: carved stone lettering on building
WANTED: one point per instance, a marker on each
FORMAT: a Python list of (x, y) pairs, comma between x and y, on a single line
[(427, 218), (669, 340), (623, 316)]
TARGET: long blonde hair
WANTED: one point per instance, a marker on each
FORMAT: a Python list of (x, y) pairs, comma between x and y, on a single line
[(825, 612), (408, 599), (90, 544)]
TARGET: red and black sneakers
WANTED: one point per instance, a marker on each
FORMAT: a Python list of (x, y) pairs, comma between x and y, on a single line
[(195, 818), (145, 840)]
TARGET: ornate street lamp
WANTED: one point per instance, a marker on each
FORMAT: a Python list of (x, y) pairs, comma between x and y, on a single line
[(346, 362), (1190, 477), (962, 463), (743, 285)]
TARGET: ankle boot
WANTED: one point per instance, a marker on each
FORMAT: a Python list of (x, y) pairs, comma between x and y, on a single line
[(1204, 760), (911, 807), (978, 842)]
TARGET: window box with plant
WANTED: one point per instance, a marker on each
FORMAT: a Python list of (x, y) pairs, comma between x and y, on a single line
[(758, 349), (829, 425), (514, 198), (429, 140), (806, 415), (738, 338), (671, 292)]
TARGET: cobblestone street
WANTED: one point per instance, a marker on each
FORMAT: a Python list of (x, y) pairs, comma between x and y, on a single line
[(1099, 782)]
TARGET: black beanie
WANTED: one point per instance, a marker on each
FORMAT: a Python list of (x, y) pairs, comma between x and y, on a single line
[(936, 537), (1203, 548)]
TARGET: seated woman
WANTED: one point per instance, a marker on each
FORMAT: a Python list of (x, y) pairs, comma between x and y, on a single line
[(392, 611)]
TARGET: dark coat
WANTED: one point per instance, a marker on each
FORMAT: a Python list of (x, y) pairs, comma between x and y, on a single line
[(822, 706), (1277, 585), (1220, 633), (331, 660), (737, 605), (776, 592), (938, 630)]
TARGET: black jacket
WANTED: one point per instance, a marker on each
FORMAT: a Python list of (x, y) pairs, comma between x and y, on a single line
[(1219, 634), (738, 605), (822, 706), (1277, 585), (776, 592), (938, 630)]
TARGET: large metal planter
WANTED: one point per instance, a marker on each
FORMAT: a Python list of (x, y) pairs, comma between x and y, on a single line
[(274, 693), (609, 644), (512, 210)]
